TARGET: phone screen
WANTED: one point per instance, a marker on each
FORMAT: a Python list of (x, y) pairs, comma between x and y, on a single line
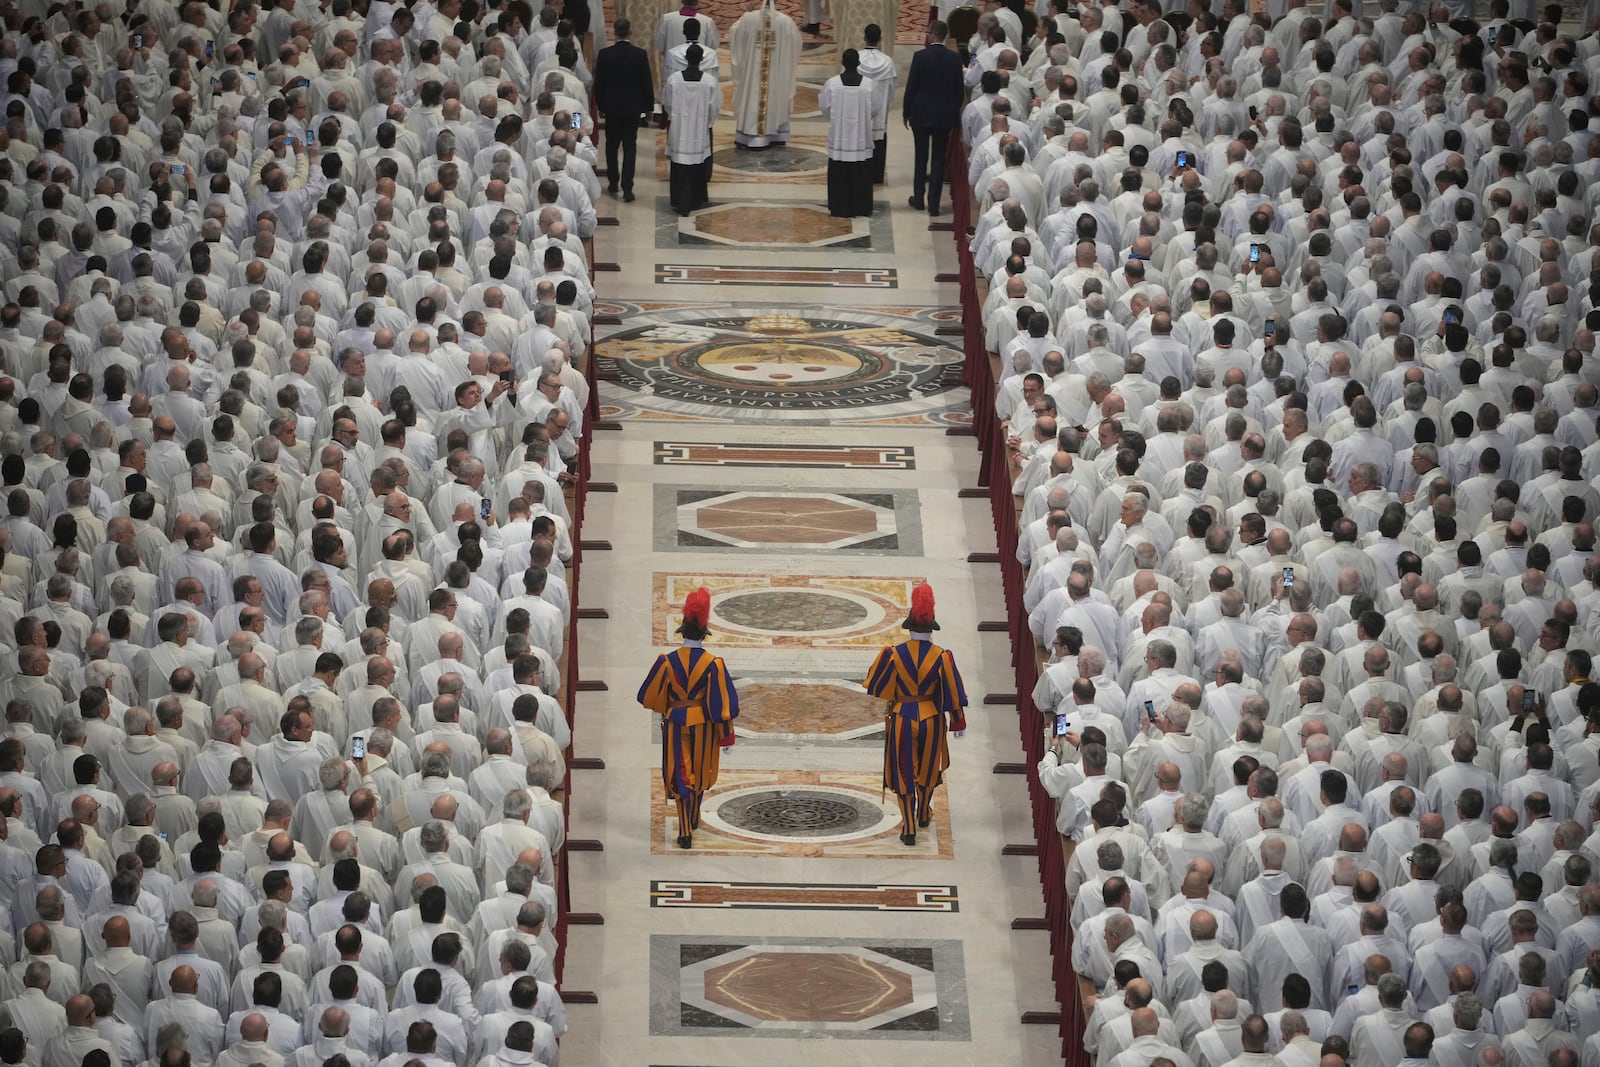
[(1150, 709), (358, 747), (577, 120), (1527, 699), (177, 168), (1255, 253), (1288, 577), (484, 507), (1271, 327), (138, 40), (1061, 725), (1183, 159)]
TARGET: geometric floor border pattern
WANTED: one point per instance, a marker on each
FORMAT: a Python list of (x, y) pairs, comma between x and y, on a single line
[(826, 457), (804, 896), (785, 277)]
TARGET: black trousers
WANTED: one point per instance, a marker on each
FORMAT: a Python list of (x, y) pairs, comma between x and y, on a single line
[(622, 131), (689, 184), (849, 188), (880, 156), (929, 144)]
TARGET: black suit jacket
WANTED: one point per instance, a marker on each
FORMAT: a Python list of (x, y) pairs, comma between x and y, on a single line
[(622, 82), (934, 89)]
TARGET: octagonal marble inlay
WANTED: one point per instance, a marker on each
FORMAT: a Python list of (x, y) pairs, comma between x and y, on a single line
[(779, 986), (782, 709), (819, 987), (773, 225), (763, 521), (777, 519)]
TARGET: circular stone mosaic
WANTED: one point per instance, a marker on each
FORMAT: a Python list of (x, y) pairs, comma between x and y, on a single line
[(765, 363), (798, 813), (790, 159), (779, 364), (790, 612)]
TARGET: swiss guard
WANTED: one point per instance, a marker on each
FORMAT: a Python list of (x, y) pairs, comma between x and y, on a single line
[(691, 690), (922, 686)]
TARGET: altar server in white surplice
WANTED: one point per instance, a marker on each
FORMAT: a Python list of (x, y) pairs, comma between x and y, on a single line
[(879, 66), (692, 98), (674, 61), (846, 102), (766, 50), (669, 33)]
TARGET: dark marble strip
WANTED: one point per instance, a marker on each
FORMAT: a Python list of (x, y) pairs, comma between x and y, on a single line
[(804, 896), (828, 457)]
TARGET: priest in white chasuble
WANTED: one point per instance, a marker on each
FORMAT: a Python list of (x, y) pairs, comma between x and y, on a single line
[(846, 101), (766, 50)]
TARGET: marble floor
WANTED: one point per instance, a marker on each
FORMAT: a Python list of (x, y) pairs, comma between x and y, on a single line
[(780, 386)]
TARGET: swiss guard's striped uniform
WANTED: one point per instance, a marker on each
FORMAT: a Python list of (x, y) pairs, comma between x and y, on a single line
[(920, 681), (691, 691)]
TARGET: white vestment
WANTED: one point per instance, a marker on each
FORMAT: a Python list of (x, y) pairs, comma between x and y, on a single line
[(693, 106), (848, 109), (668, 33), (879, 66), (766, 50)]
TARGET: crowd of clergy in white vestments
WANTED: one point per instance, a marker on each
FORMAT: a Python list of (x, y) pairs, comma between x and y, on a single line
[(295, 302), (1295, 311)]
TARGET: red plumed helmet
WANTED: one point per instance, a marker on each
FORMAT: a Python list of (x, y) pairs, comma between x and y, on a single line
[(920, 619), (697, 610)]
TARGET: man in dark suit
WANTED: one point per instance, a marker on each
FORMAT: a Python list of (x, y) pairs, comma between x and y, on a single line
[(932, 108), (623, 92)]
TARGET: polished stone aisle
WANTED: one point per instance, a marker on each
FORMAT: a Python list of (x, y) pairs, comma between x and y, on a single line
[(781, 383)]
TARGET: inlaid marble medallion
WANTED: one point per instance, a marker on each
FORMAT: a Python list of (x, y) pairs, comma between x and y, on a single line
[(811, 709), (798, 987), (817, 710), (788, 611), (798, 365), (771, 225), (787, 520), (818, 814)]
